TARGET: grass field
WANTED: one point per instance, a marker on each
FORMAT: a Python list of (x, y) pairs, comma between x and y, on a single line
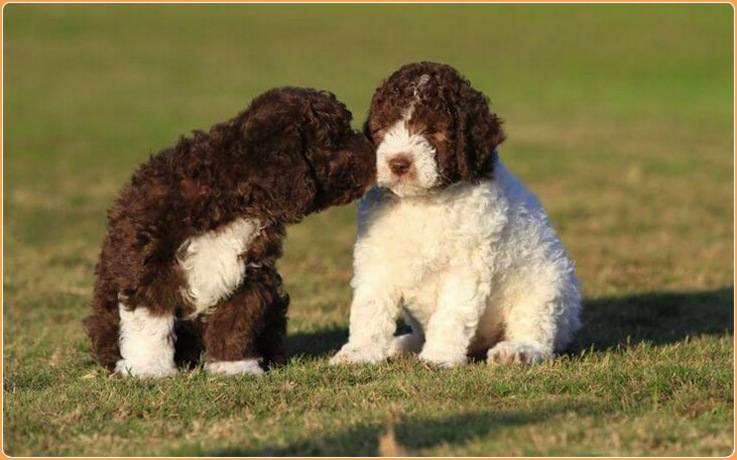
[(619, 116)]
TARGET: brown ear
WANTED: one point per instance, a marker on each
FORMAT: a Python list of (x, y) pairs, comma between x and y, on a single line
[(478, 133)]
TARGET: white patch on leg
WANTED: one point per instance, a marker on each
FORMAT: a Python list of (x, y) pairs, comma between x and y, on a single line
[(519, 353), (146, 344), (244, 367), (212, 264)]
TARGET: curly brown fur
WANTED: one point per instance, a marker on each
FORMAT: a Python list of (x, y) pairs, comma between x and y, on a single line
[(254, 318), (454, 117), (291, 153)]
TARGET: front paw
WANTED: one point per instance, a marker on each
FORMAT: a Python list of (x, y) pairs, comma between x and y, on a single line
[(144, 370), (519, 353), (442, 358), (358, 355), (244, 367)]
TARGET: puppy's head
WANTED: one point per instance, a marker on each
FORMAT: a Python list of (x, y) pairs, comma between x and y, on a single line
[(307, 137), (432, 129), (343, 160)]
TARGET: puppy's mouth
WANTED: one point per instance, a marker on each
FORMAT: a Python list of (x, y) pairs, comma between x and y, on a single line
[(403, 187), (393, 180)]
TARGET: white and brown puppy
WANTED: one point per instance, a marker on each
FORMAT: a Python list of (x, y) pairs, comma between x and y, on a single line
[(188, 263), (450, 238)]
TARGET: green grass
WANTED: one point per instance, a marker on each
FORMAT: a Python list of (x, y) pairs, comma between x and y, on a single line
[(619, 117)]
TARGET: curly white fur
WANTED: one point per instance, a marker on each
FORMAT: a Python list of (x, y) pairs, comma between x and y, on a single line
[(212, 263), (146, 344), (464, 265)]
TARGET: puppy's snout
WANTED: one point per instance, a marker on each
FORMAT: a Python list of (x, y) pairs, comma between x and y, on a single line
[(400, 165)]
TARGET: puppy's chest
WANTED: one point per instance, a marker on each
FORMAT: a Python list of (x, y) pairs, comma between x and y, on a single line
[(416, 231), (423, 238), (213, 263)]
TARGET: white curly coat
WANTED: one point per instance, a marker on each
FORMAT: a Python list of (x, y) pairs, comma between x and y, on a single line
[(466, 266)]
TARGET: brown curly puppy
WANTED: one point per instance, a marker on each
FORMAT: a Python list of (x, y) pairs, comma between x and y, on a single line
[(187, 264)]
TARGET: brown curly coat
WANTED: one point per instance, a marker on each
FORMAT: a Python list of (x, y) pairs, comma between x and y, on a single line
[(291, 153)]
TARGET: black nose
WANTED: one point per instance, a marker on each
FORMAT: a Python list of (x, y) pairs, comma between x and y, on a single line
[(399, 165)]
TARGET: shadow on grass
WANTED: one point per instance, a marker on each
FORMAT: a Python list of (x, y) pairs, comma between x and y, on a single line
[(658, 318), (317, 344), (364, 439), (609, 322)]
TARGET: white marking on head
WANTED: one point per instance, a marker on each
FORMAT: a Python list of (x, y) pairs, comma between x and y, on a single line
[(400, 142), (409, 111), (420, 83)]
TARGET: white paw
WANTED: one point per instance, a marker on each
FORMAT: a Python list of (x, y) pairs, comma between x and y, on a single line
[(519, 352), (353, 355), (244, 367), (442, 358), (144, 370), (405, 344)]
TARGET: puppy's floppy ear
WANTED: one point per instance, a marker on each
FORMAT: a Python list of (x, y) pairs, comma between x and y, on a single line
[(478, 133)]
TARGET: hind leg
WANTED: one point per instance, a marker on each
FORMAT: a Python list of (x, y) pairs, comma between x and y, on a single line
[(272, 339), (103, 326), (529, 332), (146, 343), (246, 328), (538, 326), (190, 342)]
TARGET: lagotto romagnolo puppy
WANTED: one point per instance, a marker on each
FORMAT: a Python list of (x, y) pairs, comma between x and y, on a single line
[(450, 238), (187, 264)]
